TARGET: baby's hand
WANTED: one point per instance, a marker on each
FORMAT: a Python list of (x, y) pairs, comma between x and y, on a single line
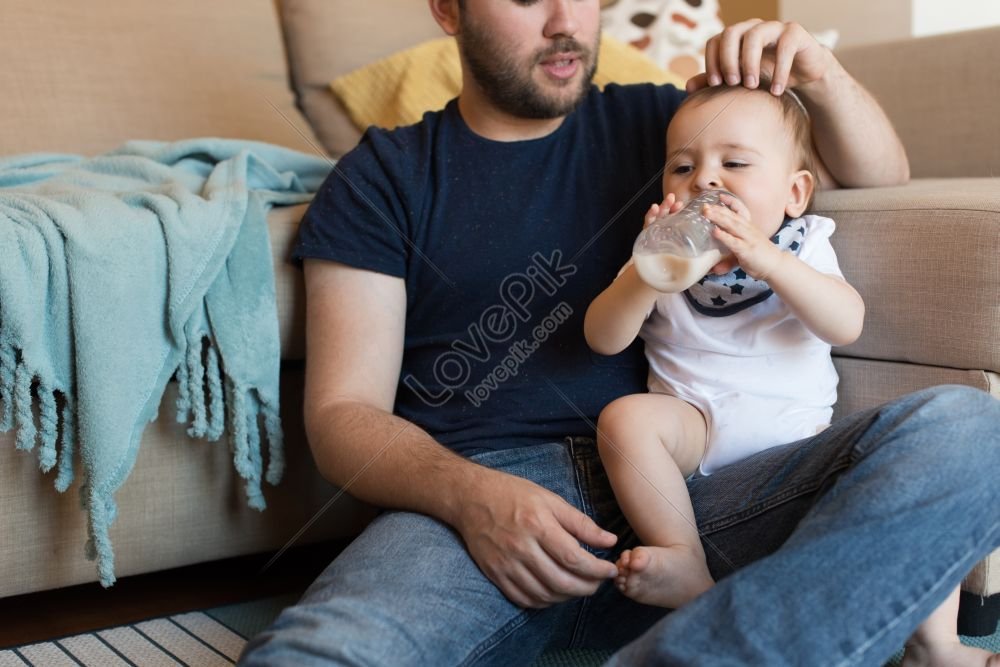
[(669, 204), (753, 250)]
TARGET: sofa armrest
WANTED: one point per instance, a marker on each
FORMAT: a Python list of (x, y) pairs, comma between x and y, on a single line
[(924, 258), (942, 94), (290, 292)]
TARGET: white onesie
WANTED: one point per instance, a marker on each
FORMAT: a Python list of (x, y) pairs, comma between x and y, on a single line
[(759, 376)]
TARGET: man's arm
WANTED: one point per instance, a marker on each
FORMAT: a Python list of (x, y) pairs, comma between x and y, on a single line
[(524, 538), (855, 140)]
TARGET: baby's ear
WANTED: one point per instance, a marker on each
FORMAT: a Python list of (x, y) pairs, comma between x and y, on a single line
[(800, 193)]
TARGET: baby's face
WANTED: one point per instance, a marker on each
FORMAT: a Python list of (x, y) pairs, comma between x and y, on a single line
[(738, 142)]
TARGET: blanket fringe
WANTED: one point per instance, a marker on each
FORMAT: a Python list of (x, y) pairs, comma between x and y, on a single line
[(183, 398), (275, 441), (20, 388), (210, 402), (24, 419), (255, 498), (236, 400), (196, 389), (64, 474), (49, 421), (246, 412), (216, 397), (102, 512), (200, 397), (8, 364)]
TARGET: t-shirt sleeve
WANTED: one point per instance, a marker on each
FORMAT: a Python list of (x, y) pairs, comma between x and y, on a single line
[(358, 216), (817, 251)]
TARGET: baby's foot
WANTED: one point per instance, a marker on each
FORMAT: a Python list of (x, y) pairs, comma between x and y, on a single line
[(948, 654), (663, 576)]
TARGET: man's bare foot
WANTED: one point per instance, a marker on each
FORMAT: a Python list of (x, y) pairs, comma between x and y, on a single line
[(948, 654), (663, 576)]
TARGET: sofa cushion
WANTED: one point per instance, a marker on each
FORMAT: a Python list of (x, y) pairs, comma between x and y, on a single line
[(327, 38), (400, 88), (865, 383), (83, 77), (924, 258)]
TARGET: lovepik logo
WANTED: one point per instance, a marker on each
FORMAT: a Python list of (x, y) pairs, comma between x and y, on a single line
[(498, 323)]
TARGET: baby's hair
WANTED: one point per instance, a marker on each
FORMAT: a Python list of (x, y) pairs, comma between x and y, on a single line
[(792, 110)]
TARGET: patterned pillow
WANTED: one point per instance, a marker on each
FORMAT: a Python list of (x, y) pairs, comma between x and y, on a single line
[(671, 32)]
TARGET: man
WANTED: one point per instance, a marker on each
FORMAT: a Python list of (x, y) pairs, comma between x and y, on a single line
[(448, 266)]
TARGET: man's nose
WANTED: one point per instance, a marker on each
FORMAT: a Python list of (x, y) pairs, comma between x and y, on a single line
[(563, 21)]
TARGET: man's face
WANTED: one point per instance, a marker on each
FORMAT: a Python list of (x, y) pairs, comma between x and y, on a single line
[(531, 58)]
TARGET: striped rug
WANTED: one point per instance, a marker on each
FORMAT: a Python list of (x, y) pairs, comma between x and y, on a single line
[(198, 639), (215, 637), (209, 638), (195, 638)]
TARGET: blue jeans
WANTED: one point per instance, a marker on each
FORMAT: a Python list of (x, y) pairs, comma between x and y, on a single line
[(828, 551)]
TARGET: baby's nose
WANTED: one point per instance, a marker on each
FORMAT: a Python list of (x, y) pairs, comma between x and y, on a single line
[(709, 182)]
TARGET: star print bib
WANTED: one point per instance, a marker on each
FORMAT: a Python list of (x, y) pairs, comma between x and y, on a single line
[(719, 296)]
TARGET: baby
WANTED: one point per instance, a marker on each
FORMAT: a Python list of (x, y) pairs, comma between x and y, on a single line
[(740, 361)]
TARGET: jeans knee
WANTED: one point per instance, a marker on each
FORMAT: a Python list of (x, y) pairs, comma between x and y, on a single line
[(959, 398), (971, 415), (956, 425)]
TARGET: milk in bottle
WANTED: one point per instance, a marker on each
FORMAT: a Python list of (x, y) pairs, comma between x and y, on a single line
[(676, 250)]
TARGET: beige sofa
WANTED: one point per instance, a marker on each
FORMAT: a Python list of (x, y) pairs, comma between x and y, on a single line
[(82, 78)]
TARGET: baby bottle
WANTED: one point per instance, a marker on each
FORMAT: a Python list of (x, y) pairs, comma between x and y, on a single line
[(676, 250)]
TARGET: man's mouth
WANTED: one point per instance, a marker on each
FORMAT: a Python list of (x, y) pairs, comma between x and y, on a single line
[(561, 66)]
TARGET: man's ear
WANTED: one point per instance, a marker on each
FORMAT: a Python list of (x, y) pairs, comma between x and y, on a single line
[(800, 193), (446, 14)]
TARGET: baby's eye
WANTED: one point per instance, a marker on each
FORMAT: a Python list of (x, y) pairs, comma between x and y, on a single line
[(734, 164), (682, 169)]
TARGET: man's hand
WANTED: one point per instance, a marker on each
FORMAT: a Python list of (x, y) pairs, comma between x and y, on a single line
[(783, 52), (526, 540)]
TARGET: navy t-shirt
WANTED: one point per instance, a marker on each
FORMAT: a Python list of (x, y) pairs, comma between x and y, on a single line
[(502, 246)]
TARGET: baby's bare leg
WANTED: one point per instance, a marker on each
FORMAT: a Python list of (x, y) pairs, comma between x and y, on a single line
[(936, 644), (649, 444)]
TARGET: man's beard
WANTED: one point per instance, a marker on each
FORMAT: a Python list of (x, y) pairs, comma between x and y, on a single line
[(509, 85)]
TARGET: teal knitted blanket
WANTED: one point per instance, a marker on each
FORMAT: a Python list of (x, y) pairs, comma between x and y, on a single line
[(122, 271)]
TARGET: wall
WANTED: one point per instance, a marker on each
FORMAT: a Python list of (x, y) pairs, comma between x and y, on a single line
[(865, 21), (931, 17), (857, 21)]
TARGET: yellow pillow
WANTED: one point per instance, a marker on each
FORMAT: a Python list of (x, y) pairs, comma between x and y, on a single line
[(398, 89)]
